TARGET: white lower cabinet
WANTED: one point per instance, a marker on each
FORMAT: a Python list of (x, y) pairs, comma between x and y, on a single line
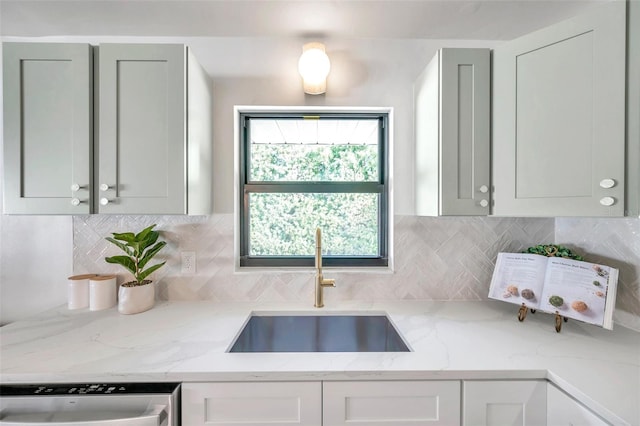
[(505, 403), (562, 410), (252, 404), (391, 403), (383, 403)]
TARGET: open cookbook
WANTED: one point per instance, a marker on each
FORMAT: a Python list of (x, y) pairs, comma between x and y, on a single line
[(580, 290)]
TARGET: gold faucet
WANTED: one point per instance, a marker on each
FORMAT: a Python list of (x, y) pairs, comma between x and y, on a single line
[(320, 281)]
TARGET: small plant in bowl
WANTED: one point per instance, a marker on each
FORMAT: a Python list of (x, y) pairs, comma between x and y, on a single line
[(137, 295)]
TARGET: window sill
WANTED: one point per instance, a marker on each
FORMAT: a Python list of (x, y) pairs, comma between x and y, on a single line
[(242, 270)]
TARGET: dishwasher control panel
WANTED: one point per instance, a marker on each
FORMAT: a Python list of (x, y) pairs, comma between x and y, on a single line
[(88, 389)]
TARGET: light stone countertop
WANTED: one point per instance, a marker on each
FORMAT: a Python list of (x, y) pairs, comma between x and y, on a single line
[(187, 341)]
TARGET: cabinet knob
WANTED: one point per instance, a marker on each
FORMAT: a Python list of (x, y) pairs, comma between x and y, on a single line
[(607, 183), (484, 189), (104, 201), (484, 203), (75, 187), (104, 187), (75, 202), (607, 201)]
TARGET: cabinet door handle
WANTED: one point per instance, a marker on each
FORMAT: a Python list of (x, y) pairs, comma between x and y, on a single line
[(75, 202), (607, 183), (104, 201), (104, 187), (484, 203), (484, 189), (607, 201), (75, 187)]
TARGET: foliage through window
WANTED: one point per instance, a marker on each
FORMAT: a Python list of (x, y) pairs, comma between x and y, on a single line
[(301, 172)]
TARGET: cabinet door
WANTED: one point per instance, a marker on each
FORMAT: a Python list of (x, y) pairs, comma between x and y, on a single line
[(505, 403), (559, 118), (252, 404), (141, 139), (394, 403), (452, 134), (47, 128), (562, 410)]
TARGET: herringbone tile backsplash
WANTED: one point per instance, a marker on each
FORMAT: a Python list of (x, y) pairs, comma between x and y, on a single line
[(613, 242), (435, 259)]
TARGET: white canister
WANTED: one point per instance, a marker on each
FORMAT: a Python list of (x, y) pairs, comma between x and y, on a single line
[(102, 292), (78, 291)]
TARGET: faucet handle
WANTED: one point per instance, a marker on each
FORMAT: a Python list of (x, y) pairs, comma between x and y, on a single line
[(328, 282)]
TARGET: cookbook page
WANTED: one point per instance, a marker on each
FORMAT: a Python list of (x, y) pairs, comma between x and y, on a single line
[(518, 278), (578, 290)]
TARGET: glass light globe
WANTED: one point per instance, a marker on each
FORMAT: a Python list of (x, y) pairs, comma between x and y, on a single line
[(314, 67)]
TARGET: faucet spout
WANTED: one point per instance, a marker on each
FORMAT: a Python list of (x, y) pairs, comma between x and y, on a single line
[(321, 282)]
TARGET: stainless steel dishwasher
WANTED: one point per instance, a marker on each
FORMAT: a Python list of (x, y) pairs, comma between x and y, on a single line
[(95, 404)]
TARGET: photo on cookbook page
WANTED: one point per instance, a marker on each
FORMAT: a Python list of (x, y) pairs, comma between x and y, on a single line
[(579, 290), (518, 278)]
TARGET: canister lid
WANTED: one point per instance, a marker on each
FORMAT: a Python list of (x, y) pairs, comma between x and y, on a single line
[(102, 277), (82, 277)]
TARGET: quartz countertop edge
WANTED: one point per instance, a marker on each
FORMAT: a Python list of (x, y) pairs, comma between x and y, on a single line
[(188, 342)]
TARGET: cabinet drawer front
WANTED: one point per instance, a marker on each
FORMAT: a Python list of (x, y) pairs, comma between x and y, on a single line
[(252, 404), (391, 403), (505, 403), (562, 410)]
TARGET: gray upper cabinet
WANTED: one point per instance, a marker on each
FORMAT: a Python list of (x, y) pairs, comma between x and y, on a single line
[(151, 140), (452, 117), (47, 128), (143, 136), (559, 119), (632, 205)]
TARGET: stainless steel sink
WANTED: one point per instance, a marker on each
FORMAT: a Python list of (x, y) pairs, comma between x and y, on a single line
[(319, 333)]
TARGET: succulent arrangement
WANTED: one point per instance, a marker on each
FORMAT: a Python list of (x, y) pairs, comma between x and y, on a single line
[(551, 250)]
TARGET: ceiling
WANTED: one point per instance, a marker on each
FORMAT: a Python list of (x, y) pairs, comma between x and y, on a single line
[(420, 19)]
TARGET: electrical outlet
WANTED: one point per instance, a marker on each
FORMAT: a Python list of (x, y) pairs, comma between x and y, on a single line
[(188, 262)]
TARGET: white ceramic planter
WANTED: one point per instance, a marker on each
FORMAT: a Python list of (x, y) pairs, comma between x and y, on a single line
[(133, 300)]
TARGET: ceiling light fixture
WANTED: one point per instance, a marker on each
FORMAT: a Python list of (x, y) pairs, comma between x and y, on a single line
[(314, 66)]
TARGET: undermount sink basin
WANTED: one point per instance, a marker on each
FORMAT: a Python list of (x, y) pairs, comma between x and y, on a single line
[(319, 333)]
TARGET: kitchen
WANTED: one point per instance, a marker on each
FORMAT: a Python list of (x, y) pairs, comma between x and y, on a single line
[(430, 253)]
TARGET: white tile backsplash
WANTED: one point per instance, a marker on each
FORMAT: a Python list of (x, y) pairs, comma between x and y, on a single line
[(613, 242), (435, 258)]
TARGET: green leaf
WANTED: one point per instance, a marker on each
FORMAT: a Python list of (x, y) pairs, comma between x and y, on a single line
[(142, 275), (125, 261), (150, 253), (127, 237), (143, 235), (148, 241), (122, 247)]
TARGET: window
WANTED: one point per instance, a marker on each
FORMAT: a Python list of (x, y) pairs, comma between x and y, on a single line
[(299, 172)]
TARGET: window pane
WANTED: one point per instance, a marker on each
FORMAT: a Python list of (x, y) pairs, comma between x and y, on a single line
[(313, 150), (285, 224)]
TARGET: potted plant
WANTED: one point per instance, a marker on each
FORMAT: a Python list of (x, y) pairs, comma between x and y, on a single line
[(138, 295)]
